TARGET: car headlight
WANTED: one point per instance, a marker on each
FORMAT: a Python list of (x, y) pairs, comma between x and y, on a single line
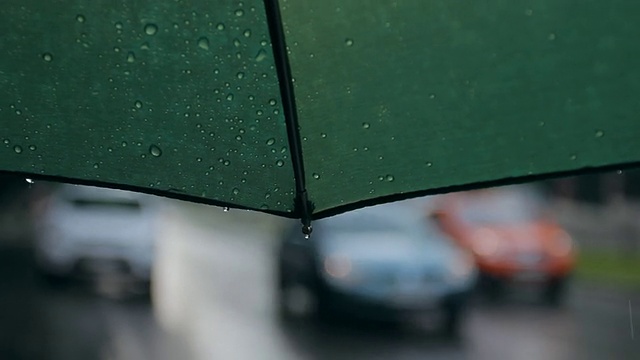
[(486, 242), (338, 266), (562, 245)]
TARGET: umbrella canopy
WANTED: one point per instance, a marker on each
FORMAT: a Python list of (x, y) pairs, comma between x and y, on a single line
[(307, 108)]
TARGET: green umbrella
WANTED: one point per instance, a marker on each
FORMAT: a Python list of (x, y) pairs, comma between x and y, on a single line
[(304, 108)]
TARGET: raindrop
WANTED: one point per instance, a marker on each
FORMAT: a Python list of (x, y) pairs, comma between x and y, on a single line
[(47, 57), (96, 166), (236, 191), (32, 147), (17, 149), (230, 97), (272, 102), (236, 42), (247, 33), (131, 57), (307, 230), (316, 176), (144, 46), (119, 25), (226, 163), (7, 141), (323, 135), (271, 141), (199, 159), (124, 144), (155, 150), (599, 133), (138, 104), (151, 29), (573, 157), (389, 178), (365, 125), (348, 42), (261, 55), (80, 18), (30, 181), (429, 164), (220, 26), (240, 75), (239, 12), (225, 209), (203, 43), (238, 137), (280, 163)]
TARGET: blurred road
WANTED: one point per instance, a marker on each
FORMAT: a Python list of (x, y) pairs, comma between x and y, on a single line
[(213, 299)]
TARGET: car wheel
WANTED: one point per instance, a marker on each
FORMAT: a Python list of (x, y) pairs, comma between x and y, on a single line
[(452, 321), (555, 291), (297, 301)]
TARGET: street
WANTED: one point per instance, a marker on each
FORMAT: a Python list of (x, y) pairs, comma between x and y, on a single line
[(213, 298)]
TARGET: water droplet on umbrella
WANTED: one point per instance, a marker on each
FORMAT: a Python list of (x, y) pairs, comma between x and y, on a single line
[(271, 141), (551, 37), (573, 157), (429, 164), (528, 12), (7, 141), (240, 75), (247, 33), (238, 137), (203, 43), (220, 26), (96, 166), (144, 46), (365, 125), (124, 144), (138, 104), (155, 150), (236, 191), (29, 181), (199, 159), (272, 102), (32, 147), (599, 133), (280, 163), (348, 42), (239, 12), (131, 57), (151, 29), (230, 97), (316, 176), (17, 149), (80, 18), (226, 163), (261, 55), (47, 57), (119, 25), (389, 178)]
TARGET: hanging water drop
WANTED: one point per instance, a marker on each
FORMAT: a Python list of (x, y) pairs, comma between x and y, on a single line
[(29, 181), (225, 209), (307, 230)]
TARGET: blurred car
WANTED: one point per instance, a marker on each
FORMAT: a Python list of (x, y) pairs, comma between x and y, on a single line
[(511, 237), (90, 231), (380, 263)]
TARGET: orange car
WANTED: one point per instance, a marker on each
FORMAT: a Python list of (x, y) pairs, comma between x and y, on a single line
[(511, 238)]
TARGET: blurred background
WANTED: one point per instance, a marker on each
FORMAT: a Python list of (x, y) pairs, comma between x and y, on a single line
[(549, 270)]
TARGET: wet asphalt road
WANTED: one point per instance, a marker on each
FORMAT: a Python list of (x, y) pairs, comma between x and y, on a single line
[(214, 300)]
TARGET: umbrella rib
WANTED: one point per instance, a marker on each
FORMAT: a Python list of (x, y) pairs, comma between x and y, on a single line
[(303, 207)]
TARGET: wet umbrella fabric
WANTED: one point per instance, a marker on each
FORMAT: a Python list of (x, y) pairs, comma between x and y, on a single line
[(308, 108)]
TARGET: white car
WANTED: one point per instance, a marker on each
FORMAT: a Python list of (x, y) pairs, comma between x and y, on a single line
[(83, 230)]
